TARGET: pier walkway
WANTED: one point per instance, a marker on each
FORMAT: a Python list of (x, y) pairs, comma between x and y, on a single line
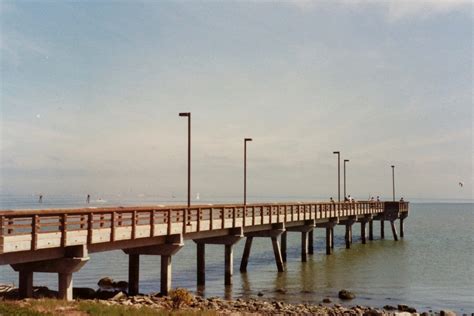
[(59, 240)]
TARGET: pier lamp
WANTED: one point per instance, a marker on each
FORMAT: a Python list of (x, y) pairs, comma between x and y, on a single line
[(393, 182), (345, 160), (188, 115), (245, 168), (338, 174)]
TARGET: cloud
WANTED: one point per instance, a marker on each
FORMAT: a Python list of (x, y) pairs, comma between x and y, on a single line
[(394, 9)]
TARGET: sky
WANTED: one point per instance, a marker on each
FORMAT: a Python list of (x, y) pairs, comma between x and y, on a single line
[(90, 93)]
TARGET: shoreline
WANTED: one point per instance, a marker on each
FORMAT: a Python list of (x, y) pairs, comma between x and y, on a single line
[(182, 300)]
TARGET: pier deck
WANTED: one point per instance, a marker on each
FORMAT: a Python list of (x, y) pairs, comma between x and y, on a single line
[(59, 240)]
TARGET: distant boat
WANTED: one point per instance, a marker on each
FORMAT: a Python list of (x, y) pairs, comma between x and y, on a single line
[(197, 196)]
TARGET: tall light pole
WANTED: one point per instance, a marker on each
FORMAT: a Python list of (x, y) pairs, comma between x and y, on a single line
[(245, 168), (338, 175), (393, 182), (188, 115), (345, 160)]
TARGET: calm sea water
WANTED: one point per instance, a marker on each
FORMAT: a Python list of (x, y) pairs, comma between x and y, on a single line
[(431, 268)]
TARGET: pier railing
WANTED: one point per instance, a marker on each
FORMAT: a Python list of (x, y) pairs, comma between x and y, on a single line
[(23, 230)]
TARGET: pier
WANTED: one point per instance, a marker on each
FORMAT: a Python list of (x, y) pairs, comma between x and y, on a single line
[(60, 240)]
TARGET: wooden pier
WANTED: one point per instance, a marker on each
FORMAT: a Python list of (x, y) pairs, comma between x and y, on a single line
[(59, 240)]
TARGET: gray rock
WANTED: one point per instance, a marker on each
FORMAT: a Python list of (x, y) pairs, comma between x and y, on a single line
[(389, 308), (346, 295), (106, 283), (447, 313), (259, 294), (84, 293), (327, 300)]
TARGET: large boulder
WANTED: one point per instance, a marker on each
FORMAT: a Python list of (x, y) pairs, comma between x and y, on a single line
[(346, 295), (106, 283), (84, 293)]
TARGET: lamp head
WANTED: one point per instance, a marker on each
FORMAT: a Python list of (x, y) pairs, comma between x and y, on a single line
[(247, 139), (346, 160), (336, 152), (185, 114), (393, 166)]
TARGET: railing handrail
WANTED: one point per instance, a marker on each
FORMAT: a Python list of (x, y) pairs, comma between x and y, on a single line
[(109, 209)]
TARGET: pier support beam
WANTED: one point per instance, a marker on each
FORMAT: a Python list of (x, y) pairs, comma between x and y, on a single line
[(245, 256), (402, 233), (348, 225), (65, 286), (283, 246), (235, 235), (25, 283), (75, 258), (311, 242), (329, 226), (277, 253), (305, 230), (371, 230), (201, 263), (172, 244), (165, 285), (276, 231), (133, 273), (382, 229), (394, 230), (363, 227)]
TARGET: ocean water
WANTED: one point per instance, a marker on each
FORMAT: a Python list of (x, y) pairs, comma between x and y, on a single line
[(432, 268)]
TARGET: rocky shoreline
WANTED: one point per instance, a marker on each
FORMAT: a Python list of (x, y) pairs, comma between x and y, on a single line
[(181, 299)]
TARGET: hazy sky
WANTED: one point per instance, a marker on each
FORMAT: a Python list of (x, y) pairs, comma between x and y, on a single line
[(91, 90)]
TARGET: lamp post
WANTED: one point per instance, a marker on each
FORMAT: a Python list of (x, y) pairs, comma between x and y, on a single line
[(245, 168), (338, 175), (345, 160), (393, 182), (188, 115)]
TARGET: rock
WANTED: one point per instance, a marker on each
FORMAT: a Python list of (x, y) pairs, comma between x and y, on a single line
[(405, 308), (105, 295), (259, 294), (327, 300), (121, 285), (120, 295), (282, 291), (389, 308), (373, 312), (44, 292), (425, 314), (106, 283), (84, 293), (346, 295), (447, 313)]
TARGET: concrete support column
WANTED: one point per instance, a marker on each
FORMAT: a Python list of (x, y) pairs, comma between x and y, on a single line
[(348, 236), (65, 286), (328, 241), (283, 246), (25, 283), (246, 254), (363, 231), (304, 246), (201, 263), (382, 229), (133, 273), (277, 253), (371, 230), (310, 242), (402, 233), (332, 237), (228, 264), (165, 275), (394, 230)]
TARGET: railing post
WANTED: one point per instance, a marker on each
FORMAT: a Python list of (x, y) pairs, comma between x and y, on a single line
[(211, 215), (34, 232), (222, 217), (169, 221), (134, 224), (233, 216), (90, 224), (199, 215), (63, 229), (152, 223), (112, 226)]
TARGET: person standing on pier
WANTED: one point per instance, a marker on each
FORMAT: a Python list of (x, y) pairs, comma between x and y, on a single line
[(40, 200), (88, 199)]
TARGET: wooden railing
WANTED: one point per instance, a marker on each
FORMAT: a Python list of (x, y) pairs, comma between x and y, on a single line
[(37, 229)]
